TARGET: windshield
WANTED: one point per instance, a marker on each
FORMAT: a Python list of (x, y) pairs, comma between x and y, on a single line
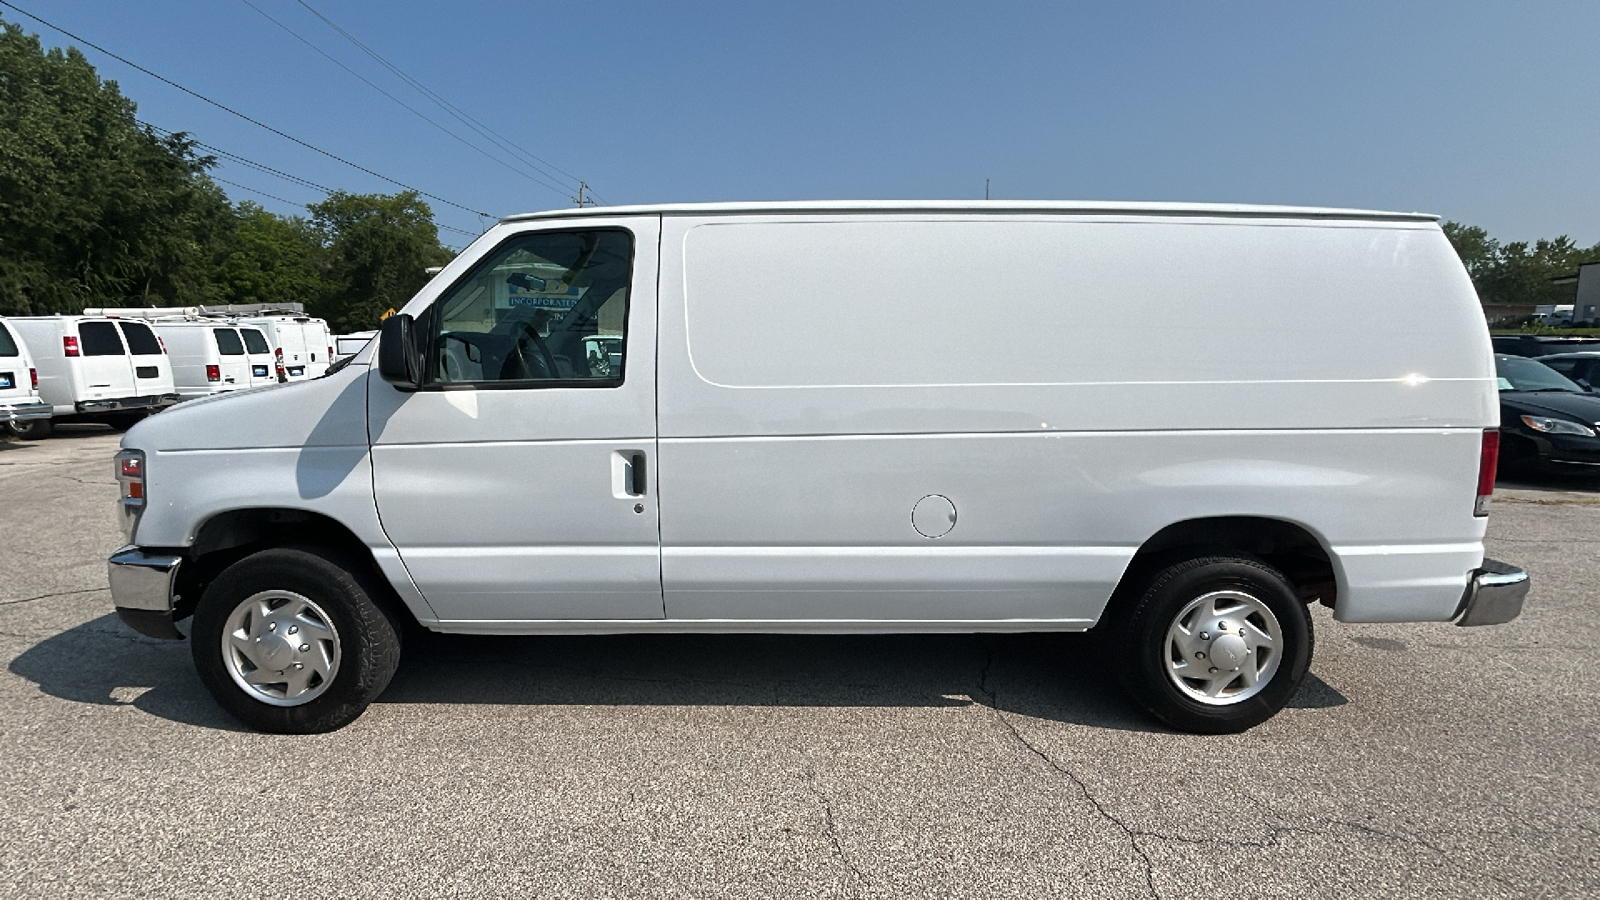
[(1519, 373)]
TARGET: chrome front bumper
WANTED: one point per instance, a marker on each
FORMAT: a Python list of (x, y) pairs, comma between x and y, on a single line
[(25, 411), (142, 587), (1494, 594)]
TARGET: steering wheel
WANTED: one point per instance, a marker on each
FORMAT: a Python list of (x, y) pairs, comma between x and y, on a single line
[(529, 359)]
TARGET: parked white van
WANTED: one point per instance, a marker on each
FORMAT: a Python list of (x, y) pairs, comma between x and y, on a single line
[(258, 353), (20, 405), (348, 345), (96, 369), (817, 418), (208, 357), (302, 345), (195, 359)]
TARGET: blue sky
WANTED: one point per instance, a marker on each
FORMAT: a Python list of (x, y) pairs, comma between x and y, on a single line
[(1480, 112)]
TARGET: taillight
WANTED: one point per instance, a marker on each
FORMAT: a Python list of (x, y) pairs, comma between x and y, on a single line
[(277, 358), (69, 345), (1488, 462), (213, 373), (330, 353), (163, 342), (129, 469), (33, 375), (130, 475)]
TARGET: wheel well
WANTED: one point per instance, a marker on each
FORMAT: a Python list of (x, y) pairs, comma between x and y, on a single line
[(1287, 547), (229, 537)]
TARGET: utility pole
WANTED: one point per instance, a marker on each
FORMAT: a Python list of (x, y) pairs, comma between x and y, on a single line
[(986, 189), (580, 199)]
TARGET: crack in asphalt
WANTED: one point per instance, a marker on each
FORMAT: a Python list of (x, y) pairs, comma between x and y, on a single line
[(1274, 835), (1277, 832), (831, 832), (49, 596), (82, 481), (1132, 834)]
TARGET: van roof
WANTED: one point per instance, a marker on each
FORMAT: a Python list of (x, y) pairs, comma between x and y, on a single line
[(1242, 210)]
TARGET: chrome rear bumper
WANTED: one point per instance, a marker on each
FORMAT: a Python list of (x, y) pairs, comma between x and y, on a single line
[(115, 404), (1494, 594), (24, 411)]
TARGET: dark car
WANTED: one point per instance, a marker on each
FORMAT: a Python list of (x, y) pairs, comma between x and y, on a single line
[(1546, 421), (1541, 345), (1582, 367)]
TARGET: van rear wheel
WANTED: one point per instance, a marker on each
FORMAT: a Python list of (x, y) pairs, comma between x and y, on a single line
[(124, 421), (33, 429), (291, 641), (1215, 644)]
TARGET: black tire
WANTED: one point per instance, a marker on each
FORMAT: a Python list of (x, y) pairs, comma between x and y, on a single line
[(33, 429), (124, 421), (368, 637), (1142, 631)]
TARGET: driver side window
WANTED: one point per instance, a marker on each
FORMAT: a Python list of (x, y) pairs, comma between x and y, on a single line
[(545, 309)]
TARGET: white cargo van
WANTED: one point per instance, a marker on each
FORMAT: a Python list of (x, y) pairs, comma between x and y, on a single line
[(96, 369), (818, 418), (348, 345), (303, 345), (258, 353), (20, 406), (208, 357)]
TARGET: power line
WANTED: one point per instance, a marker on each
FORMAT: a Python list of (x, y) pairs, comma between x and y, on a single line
[(252, 190), (413, 110), (460, 115), (231, 111), (240, 159), (295, 179)]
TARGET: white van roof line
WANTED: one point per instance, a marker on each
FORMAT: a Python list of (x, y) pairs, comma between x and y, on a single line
[(1243, 210)]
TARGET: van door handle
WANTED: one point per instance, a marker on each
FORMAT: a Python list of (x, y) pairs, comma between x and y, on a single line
[(628, 475)]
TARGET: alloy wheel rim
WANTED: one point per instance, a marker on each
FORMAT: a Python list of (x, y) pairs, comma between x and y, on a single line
[(1223, 647), (281, 648)]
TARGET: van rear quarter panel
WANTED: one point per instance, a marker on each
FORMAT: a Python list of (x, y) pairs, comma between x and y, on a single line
[(1072, 384)]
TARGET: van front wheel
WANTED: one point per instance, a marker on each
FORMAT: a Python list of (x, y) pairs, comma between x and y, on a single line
[(1216, 644), (291, 641)]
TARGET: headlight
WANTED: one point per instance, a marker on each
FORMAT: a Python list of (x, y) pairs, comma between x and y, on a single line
[(1557, 426), (129, 469)]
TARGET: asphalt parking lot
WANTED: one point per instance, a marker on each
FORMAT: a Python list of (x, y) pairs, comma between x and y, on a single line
[(1417, 760)]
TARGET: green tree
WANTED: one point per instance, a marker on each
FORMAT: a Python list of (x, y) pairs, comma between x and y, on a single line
[(270, 260), (1476, 249), (1518, 273), (374, 250), (94, 209)]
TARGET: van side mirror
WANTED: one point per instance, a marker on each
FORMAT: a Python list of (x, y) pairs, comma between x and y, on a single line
[(399, 358)]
